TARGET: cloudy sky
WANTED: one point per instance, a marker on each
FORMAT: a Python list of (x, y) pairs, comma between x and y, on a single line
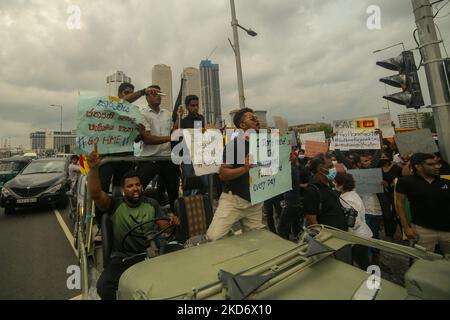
[(311, 61)]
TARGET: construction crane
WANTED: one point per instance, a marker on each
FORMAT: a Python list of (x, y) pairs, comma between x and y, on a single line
[(212, 52)]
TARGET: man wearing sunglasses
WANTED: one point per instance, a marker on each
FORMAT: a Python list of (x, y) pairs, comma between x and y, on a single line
[(429, 197), (235, 203)]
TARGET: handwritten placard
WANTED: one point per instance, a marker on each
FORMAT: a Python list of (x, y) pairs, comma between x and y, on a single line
[(205, 150), (313, 148), (368, 181), (380, 121), (270, 178), (292, 139), (420, 141), (355, 139), (360, 123), (313, 136), (109, 122), (385, 124)]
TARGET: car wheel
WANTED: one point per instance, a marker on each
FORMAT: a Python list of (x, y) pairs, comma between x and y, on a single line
[(10, 210), (62, 204)]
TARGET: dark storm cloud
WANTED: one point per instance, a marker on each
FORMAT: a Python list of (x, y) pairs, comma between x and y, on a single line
[(312, 60)]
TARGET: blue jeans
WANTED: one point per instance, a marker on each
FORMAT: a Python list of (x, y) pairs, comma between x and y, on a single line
[(374, 223)]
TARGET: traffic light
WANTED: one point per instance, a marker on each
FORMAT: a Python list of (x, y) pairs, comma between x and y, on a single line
[(407, 79)]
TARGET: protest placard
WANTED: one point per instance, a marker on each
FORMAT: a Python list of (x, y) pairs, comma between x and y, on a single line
[(312, 136), (292, 139), (358, 123), (355, 139), (385, 124), (109, 122), (368, 181), (281, 124), (269, 178), (382, 121), (313, 148), (205, 154), (420, 141)]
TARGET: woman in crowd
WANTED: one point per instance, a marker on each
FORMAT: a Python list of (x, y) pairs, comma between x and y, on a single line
[(345, 184)]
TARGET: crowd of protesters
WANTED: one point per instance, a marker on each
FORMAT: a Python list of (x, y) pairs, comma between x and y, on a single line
[(414, 204)]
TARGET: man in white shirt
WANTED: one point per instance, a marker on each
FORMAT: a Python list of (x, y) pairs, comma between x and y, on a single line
[(155, 134)]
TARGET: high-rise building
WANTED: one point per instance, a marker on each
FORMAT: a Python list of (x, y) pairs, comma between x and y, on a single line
[(53, 140), (162, 76), (114, 81), (210, 86), (411, 119), (191, 85), (37, 140)]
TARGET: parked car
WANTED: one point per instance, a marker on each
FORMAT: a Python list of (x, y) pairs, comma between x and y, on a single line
[(41, 182), (10, 167)]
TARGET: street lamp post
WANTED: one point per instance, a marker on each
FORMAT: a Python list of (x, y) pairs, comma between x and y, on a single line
[(237, 52), (60, 126)]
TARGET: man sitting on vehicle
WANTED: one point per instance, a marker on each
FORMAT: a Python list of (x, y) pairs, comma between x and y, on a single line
[(126, 212)]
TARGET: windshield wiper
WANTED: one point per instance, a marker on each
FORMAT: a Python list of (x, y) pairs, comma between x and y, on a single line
[(25, 174)]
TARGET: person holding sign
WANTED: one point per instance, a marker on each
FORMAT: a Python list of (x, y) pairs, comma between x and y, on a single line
[(115, 170), (155, 134), (193, 120), (235, 203)]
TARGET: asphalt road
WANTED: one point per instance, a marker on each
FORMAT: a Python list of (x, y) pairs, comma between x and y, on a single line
[(35, 254)]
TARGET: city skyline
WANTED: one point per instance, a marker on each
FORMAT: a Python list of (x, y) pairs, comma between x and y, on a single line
[(162, 76), (114, 81), (210, 86), (312, 61), (192, 86)]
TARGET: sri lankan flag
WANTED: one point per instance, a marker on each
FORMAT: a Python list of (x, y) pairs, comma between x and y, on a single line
[(84, 168)]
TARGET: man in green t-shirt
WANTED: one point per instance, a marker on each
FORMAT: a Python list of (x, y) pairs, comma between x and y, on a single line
[(126, 213)]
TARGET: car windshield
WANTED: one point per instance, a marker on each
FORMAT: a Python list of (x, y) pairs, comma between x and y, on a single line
[(44, 167), (7, 166)]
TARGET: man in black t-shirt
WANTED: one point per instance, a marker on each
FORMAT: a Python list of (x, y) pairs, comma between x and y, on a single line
[(321, 202), (429, 198), (235, 203), (193, 120)]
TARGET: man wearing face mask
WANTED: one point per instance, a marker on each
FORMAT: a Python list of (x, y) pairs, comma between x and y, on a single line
[(321, 202)]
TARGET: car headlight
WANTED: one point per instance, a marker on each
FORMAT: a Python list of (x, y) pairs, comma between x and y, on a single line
[(5, 192), (54, 189)]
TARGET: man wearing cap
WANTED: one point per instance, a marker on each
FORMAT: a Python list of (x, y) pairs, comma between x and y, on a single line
[(235, 203), (429, 197)]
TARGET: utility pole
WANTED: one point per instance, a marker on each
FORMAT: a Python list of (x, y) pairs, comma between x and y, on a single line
[(434, 69), (237, 53)]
